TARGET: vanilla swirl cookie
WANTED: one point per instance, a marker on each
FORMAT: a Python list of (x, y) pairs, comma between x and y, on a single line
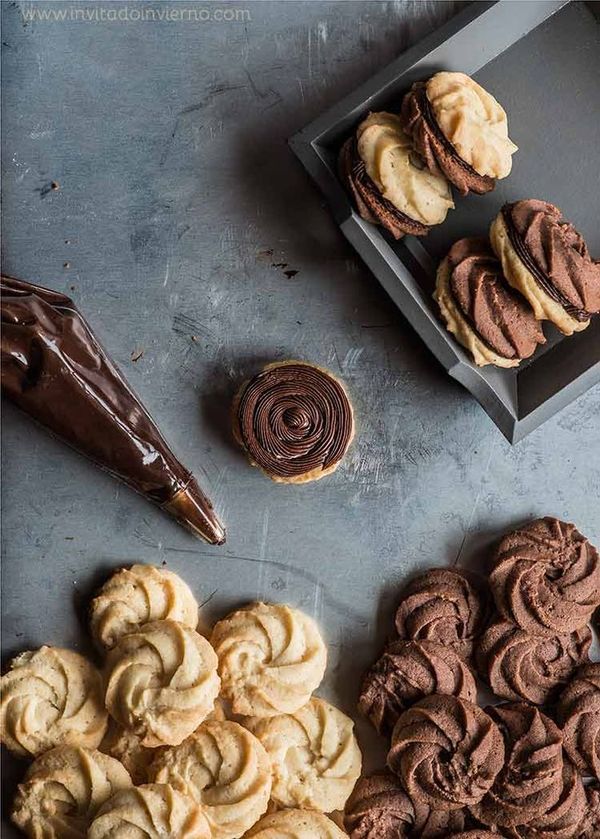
[(579, 715), (565, 820), (51, 697), (295, 824), (161, 682), (379, 809), (314, 755), (546, 577), (62, 791), (225, 769), (152, 811), (271, 659), (447, 752), (294, 421), (531, 779), (138, 595), (518, 665), (407, 672), (444, 605)]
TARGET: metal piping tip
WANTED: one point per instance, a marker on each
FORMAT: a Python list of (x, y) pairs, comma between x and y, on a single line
[(193, 510)]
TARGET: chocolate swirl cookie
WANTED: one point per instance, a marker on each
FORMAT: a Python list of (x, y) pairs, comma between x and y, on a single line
[(579, 715), (565, 819), (546, 577), (473, 834), (444, 605), (592, 818), (407, 672), (548, 262), (530, 781), (379, 809), (494, 323), (447, 752), (295, 421), (518, 665)]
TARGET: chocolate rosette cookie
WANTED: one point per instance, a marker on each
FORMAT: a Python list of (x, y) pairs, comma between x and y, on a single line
[(407, 672), (548, 262), (433, 823), (592, 817), (565, 820), (389, 182), (579, 715), (473, 834), (444, 605), (531, 780), (447, 752), (496, 325), (460, 130), (379, 809), (517, 665), (294, 421), (546, 577)]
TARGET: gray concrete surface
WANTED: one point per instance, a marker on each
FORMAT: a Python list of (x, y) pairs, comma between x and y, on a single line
[(177, 196)]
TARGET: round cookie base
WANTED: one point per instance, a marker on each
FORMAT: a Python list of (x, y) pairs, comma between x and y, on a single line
[(458, 326), (521, 279), (306, 477)]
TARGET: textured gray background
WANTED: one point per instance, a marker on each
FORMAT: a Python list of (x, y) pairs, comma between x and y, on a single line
[(176, 184)]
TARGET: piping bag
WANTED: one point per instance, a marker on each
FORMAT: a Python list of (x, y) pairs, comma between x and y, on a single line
[(55, 370)]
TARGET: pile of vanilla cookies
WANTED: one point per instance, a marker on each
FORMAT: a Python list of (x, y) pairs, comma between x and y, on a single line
[(179, 736)]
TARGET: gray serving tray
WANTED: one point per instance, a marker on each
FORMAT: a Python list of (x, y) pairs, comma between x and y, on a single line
[(542, 61)]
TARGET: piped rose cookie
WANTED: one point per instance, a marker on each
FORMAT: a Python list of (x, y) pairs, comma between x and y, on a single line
[(295, 824), (390, 183), (548, 262), (487, 317), (460, 130), (579, 715)]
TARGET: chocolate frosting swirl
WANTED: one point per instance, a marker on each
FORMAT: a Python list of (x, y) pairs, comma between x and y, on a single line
[(447, 752), (555, 254), (419, 122), (407, 672), (546, 577), (562, 821), (379, 809), (534, 668), (295, 419), (444, 605), (530, 781), (579, 715), (499, 316)]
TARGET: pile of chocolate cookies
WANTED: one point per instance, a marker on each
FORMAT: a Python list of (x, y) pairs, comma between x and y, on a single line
[(528, 768)]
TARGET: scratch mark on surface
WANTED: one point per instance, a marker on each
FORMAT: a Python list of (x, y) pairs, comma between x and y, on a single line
[(475, 504), (351, 359), (265, 534)]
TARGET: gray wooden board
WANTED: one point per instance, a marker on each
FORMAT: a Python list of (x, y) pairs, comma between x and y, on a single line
[(168, 141)]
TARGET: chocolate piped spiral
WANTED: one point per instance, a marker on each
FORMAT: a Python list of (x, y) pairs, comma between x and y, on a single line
[(447, 752), (407, 672), (295, 421), (444, 605), (379, 809), (530, 781), (518, 665), (546, 577), (579, 715)]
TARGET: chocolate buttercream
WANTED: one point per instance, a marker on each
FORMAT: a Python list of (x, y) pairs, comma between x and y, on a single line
[(407, 672), (294, 419), (500, 317), (446, 605), (530, 782), (447, 752), (579, 715), (518, 665), (546, 577), (55, 370), (378, 808), (564, 820), (555, 254), (418, 121)]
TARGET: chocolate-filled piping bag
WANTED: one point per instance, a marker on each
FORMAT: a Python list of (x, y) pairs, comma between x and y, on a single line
[(55, 370)]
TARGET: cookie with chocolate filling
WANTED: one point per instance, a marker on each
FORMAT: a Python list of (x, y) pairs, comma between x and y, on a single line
[(486, 316), (460, 130), (294, 420), (389, 182), (547, 260)]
